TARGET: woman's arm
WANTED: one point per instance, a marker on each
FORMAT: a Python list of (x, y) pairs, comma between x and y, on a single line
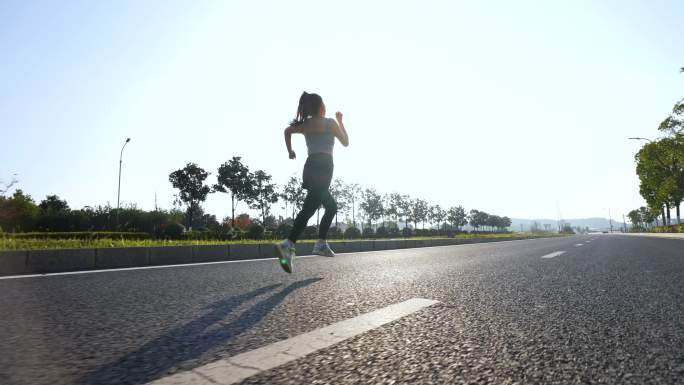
[(288, 138), (339, 130)]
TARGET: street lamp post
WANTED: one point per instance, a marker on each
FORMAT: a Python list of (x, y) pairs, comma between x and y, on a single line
[(118, 193)]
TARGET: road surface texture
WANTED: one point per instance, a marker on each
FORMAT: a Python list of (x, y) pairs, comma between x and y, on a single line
[(581, 309)]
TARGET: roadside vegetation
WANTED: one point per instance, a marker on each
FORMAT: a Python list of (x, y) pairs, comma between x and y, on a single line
[(363, 213), (24, 242), (660, 167)]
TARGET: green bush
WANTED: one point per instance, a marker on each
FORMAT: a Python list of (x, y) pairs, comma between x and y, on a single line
[(199, 235), (382, 232), (174, 230), (256, 231), (283, 230), (223, 232), (352, 233), (310, 232), (83, 235), (669, 229), (368, 232), (421, 233), (406, 232), (335, 233), (393, 232)]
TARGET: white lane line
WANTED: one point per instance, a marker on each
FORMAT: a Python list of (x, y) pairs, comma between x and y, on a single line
[(578, 245), (146, 267), (238, 261), (237, 368), (553, 255)]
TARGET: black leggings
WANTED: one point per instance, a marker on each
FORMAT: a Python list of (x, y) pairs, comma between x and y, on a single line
[(317, 176)]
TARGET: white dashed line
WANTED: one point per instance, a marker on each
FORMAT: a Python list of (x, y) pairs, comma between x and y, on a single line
[(578, 245), (553, 255), (237, 368)]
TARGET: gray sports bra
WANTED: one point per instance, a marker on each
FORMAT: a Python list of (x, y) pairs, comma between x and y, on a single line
[(321, 142)]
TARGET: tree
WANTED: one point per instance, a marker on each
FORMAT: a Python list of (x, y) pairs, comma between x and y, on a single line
[(56, 216), (352, 193), (404, 207), (647, 216), (659, 167), (371, 204), (420, 211), (18, 212), (293, 193), (392, 210), (457, 217), (385, 216), (506, 222), (192, 191), (52, 203), (263, 193), (437, 215), (337, 190), (636, 219), (243, 222), (233, 177), (673, 125), (478, 218)]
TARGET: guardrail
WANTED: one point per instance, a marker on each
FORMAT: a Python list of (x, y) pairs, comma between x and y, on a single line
[(64, 260)]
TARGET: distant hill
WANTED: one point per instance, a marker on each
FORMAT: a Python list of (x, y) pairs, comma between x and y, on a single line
[(598, 224)]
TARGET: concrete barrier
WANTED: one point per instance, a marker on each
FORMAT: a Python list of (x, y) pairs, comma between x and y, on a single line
[(170, 255), (13, 262), (109, 258), (385, 244), (210, 253), (60, 260), (342, 247), (245, 251), (301, 248), (365, 245)]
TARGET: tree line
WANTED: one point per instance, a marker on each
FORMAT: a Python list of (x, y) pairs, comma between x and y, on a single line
[(660, 168), (374, 210), (363, 210)]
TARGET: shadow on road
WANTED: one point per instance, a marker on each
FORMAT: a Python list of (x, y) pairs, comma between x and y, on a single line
[(191, 340)]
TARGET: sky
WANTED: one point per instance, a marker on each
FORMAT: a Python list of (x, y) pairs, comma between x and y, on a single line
[(518, 108)]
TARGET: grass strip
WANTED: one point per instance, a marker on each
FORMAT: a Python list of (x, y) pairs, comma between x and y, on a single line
[(10, 243)]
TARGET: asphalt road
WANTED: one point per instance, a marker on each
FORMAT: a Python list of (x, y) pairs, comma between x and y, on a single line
[(608, 311)]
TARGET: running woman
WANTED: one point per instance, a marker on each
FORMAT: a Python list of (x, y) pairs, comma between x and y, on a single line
[(320, 133)]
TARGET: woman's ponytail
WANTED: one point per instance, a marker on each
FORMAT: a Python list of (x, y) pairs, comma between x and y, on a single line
[(309, 106)]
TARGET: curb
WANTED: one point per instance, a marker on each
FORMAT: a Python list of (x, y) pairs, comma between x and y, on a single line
[(17, 262)]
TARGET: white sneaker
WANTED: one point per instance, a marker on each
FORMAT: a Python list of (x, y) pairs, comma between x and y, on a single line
[(323, 248), (286, 254)]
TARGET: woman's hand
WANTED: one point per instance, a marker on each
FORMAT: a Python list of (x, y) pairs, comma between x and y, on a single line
[(292, 154), (340, 132)]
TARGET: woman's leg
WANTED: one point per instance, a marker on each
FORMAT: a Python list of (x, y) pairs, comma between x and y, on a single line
[(311, 203), (330, 210)]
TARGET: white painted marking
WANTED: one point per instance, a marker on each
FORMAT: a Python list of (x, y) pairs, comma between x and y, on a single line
[(143, 267), (237, 368), (239, 261), (553, 255), (578, 245)]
